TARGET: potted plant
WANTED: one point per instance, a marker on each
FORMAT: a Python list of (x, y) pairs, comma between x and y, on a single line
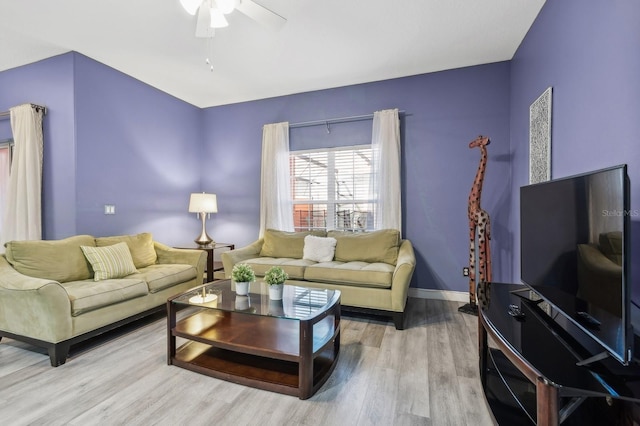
[(275, 277), (242, 274)]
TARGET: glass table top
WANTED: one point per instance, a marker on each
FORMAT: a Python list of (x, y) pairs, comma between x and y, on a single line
[(297, 302)]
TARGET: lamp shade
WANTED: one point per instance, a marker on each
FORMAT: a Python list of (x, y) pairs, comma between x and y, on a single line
[(203, 203)]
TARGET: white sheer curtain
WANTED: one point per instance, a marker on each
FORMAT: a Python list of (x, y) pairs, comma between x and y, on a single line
[(23, 210), (276, 206), (386, 169)]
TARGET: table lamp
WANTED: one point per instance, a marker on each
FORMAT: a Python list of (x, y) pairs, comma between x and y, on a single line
[(203, 204)]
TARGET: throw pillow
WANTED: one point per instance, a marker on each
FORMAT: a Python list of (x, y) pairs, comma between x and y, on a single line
[(110, 262), (375, 246), (319, 249), (141, 247)]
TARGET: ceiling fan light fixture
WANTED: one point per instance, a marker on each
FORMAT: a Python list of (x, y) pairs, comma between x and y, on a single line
[(191, 6), (217, 18), (210, 14), (225, 6)]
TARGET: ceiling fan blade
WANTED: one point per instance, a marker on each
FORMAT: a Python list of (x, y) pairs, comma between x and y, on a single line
[(261, 14), (203, 23)]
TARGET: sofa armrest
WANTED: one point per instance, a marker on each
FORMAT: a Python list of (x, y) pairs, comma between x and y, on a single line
[(402, 276), (33, 307), (167, 255), (231, 257)]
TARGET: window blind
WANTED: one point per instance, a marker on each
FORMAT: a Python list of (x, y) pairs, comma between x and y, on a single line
[(331, 188)]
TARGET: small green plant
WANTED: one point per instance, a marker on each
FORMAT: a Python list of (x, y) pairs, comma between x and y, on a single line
[(275, 275), (243, 273)]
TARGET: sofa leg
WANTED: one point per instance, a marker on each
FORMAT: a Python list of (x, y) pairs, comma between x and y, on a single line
[(398, 320), (58, 353)]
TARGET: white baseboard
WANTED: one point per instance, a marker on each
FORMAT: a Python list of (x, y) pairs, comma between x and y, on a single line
[(452, 296)]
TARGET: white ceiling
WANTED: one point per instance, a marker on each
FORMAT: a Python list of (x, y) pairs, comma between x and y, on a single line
[(324, 44)]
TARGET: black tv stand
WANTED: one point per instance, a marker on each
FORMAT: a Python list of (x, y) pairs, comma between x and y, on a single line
[(595, 358), (536, 373)]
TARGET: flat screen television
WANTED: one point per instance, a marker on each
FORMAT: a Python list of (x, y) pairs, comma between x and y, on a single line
[(574, 236)]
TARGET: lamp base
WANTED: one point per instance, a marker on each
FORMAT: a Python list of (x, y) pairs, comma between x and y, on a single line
[(204, 239), (204, 242)]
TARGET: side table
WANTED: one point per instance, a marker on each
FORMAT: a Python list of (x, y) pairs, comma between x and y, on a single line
[(212, 264)]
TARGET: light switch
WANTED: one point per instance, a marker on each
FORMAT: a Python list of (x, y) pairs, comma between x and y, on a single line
[(109, 209)]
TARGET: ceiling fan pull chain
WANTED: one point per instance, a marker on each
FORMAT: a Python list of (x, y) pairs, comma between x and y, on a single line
[(209, 54)]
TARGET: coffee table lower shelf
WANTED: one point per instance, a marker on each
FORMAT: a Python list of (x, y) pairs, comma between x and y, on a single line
[(251, 370)]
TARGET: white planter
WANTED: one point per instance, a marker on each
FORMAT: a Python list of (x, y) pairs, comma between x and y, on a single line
[(242, 289), (275, 291)]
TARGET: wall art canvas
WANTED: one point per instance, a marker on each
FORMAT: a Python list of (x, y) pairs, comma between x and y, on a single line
[(540, 138)]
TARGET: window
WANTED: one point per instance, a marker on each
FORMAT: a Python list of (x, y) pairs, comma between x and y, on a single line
[(6, 151), (331, 189)]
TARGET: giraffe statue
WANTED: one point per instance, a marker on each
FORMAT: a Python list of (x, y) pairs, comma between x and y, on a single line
[(479, 221)]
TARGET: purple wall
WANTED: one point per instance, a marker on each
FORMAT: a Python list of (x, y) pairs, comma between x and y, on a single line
[(445, 111), (50, 83), (589, 54), (110, 139), (137, 148)]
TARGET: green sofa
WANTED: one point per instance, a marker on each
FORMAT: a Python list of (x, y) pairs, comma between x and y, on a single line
[(372, 270), (49, 298)]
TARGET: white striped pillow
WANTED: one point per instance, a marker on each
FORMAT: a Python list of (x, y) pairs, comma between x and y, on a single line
[(110, 261)]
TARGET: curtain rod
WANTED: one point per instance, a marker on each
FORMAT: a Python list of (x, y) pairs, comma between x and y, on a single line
[(336, 120), (5, 114)]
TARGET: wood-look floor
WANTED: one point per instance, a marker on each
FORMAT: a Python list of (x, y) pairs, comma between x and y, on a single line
[(424, 375)]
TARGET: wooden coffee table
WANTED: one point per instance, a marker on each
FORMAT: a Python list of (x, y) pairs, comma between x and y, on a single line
[(289, 346)]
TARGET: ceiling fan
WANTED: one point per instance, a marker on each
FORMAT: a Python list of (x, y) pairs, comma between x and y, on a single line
[(211, 14)]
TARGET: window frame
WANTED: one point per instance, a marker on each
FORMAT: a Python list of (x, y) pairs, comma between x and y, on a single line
[(10, 144), (332, 201)]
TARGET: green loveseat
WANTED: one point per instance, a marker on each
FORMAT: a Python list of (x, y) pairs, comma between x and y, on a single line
[(49, 298), (372, 270)]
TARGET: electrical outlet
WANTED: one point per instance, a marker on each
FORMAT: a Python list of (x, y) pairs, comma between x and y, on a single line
[(109, 209), (465, 271)]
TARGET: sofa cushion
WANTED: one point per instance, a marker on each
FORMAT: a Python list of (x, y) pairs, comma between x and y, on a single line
[(140, 245), (319, 249), (88, 295), (293, 267), (159, 277), (286, 244), (58, 260), (109, 262), (351, 273), (377, 246)]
